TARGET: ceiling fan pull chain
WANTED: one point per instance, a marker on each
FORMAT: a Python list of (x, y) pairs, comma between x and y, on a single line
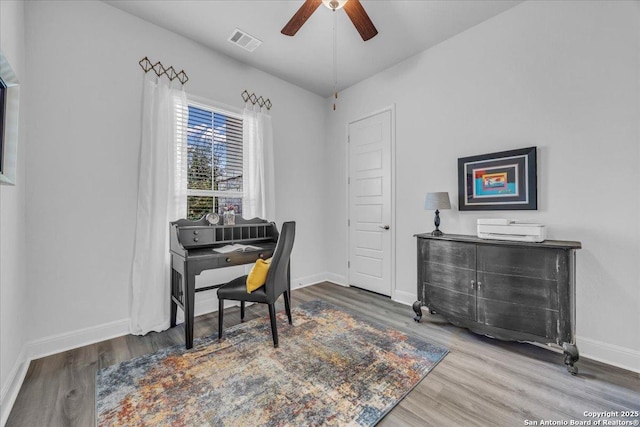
[(335, 59)]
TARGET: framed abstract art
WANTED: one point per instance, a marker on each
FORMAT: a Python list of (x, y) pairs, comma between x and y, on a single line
[(506, 180)]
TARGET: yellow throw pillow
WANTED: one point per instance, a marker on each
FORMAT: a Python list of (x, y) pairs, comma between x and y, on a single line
[(258, 274)]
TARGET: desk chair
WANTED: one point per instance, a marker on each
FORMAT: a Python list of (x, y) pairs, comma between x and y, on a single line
[(278, 283)]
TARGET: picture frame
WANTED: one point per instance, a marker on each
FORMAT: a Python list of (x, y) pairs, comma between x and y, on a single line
[(506, 180), (9, 107)]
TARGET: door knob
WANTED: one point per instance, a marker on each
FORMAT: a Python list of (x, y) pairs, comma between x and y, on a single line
[(384, 227)]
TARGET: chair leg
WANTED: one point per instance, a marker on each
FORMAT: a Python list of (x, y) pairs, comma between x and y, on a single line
[(274, 328), (287, 305), (220, 316), (241, 311)]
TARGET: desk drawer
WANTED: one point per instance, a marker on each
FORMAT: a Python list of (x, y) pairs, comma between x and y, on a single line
[(196, 237), (239, 258)]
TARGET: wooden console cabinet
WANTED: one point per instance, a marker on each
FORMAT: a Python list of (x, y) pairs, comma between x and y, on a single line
[(506, 290)]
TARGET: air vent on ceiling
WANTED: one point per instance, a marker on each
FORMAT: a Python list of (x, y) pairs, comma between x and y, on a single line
[(244, 40)]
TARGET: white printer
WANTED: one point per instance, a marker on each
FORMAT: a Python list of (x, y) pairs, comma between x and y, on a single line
[(505, 229)]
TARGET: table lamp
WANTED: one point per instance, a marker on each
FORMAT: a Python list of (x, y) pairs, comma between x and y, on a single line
[(438, 200)]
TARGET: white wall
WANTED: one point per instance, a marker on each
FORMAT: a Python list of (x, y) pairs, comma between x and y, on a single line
[(85, 89), (558, 75), (13, 289), (562, 76)]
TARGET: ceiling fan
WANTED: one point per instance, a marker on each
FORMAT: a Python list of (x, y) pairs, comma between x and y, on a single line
[(353, 8)]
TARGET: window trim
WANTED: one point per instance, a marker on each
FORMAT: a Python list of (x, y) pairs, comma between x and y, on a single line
[(198, 101), (219, 108)]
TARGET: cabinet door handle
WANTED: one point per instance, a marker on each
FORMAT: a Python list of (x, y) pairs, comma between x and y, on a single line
[(479, 284), (473, 284), (384, 227)]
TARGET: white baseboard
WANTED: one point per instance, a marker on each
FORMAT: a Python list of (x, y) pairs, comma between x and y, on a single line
[(12, 387), (337, 279), (403, 297), (303, 282), (610, 354), (69, 340), (206, 302)]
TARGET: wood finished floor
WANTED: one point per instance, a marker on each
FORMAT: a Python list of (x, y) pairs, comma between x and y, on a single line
[(481, 382)]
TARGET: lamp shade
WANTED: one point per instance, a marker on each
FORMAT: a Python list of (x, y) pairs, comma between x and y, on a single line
[(438, 200)]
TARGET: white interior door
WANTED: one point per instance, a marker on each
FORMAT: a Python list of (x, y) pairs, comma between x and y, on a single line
[(370, 203)]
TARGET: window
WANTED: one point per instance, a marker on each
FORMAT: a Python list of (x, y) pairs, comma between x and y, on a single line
[(214, 161)]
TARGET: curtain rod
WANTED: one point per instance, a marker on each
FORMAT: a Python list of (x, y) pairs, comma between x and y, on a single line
[(160, 70), (247, 97)]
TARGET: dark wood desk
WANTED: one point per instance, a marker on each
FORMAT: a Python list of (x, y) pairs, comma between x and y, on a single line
[(193, 250)]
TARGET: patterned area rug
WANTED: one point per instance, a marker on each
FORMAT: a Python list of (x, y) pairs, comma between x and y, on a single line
[(332, 368)]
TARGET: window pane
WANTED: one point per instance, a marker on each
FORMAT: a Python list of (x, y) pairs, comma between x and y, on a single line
[(226, 203), (227, 153), (199, 143), (198, 206)]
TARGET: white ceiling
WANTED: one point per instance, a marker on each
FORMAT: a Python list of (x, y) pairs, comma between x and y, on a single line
[(404, 29)]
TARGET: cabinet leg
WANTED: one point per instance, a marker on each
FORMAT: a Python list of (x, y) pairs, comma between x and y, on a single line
[(417, 308), (571, 356)]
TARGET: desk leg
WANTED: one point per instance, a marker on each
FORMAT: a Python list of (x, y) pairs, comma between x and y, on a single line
[(173, 291), (189, 303)]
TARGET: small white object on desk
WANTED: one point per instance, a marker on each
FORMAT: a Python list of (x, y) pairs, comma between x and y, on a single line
[(505, 229), (236, 247)]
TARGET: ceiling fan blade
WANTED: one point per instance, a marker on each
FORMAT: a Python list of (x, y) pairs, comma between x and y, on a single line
[(300, 17), (360, 19)]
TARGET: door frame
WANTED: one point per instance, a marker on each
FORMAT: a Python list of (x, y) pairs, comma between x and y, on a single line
[(392, 174)]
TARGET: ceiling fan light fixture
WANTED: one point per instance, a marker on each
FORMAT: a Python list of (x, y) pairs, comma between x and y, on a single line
[(354, 10), (334, 4)]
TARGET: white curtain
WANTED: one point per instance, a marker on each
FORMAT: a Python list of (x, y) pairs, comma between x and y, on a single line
[(258, 170), (161, 198)]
